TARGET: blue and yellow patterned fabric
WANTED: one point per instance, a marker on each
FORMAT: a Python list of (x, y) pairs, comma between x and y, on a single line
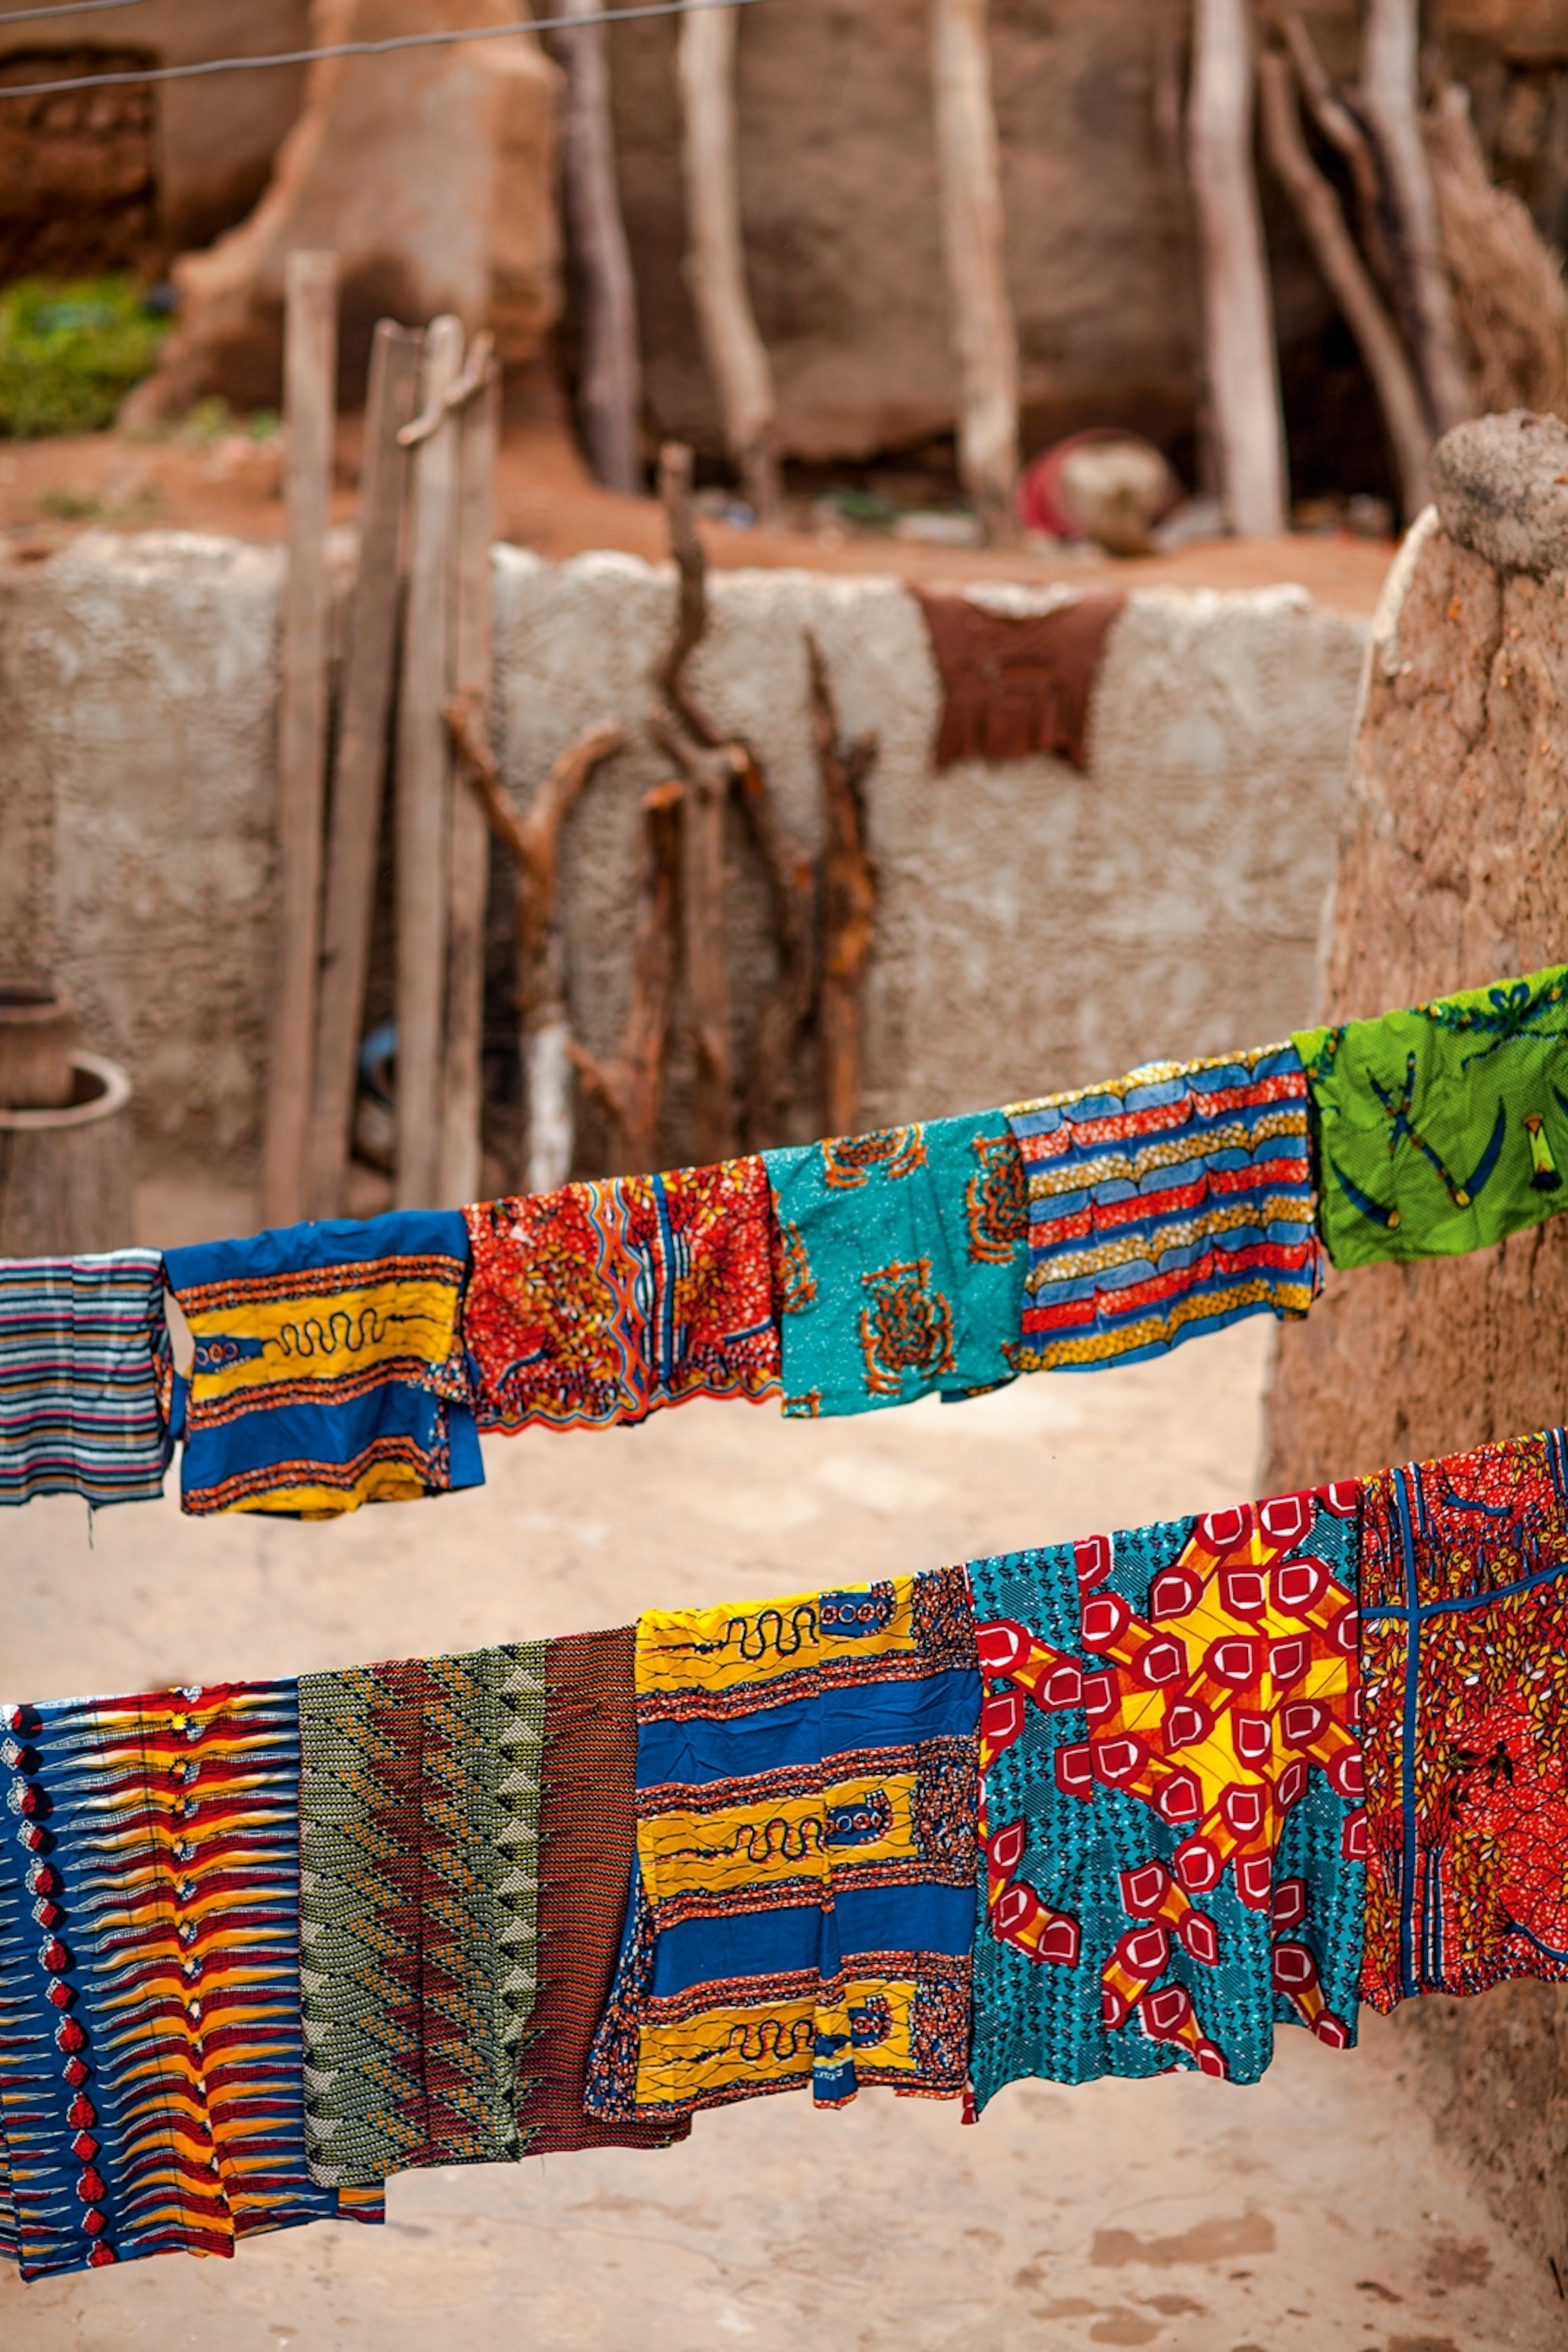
[(152, 2059), (901, 1264), (803, 1900), (1174, 1840), (329, 1366)]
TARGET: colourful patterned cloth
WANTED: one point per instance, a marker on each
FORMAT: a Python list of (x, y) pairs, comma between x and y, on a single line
[(1464, 1697), (78, 1400), (1175, 1201), (803, 1904), (598, 1303), (901, 1264), (419, 1831), (151, 2084), (587, 1831), (1441, 1130), (1166, 1875), (329, 1371)]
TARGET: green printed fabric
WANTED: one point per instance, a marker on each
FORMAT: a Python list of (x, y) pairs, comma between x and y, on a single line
[(901, 1264), (419, 1797), (1443, 1128)]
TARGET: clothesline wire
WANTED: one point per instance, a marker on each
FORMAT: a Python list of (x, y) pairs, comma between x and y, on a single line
[(64, 8), (346, 48)]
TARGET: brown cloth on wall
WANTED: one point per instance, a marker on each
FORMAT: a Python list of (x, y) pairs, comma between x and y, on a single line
[(587, 1831), (1016, 683)]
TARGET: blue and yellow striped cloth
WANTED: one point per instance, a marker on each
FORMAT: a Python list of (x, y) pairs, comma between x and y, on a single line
[(329, 1366), (803, 1899), (79, 1403)]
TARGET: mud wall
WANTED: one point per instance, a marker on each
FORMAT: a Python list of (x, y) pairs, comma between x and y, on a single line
[(1038, 925)]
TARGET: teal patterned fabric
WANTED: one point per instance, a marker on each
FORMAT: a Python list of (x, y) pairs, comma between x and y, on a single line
[(902, 1259), (1173, 1830)]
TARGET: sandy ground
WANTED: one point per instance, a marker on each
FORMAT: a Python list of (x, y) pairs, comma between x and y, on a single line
[(546, 501), (1312, 2210)]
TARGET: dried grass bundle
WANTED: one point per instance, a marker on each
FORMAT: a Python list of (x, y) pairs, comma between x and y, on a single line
[(1509, 303)]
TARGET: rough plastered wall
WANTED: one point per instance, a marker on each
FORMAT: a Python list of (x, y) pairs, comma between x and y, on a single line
[(138, 683), (1453, 871), (1037, 926)]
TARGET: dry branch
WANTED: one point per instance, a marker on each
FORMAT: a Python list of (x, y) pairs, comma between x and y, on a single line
[(534, 841), (630, 1084), (1318, 209), (691, 593), (1336, 119), (709, 774), (985, 340), (1506, 285), (610, 391), (791, 886), (850, 897), (1389, 102)]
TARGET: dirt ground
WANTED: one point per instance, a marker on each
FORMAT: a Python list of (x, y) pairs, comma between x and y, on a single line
[(231, 482), (1313, 2210)]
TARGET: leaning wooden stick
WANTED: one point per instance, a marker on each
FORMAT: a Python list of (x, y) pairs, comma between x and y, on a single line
[(792, 885), (534, 840), (630, 1084), (849, 898)]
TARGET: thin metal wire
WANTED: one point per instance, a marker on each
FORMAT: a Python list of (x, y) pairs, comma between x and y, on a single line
[(64, 8), (361, 49)]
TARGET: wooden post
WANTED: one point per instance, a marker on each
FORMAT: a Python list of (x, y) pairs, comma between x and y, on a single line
[(630, 1084), (975, 238), (424, 779), (1238, 325), (462, 1083), (849, 898), (309, 403), (715, 262), (361, 767), (1388, 94), (1318, 209), (610, 394)]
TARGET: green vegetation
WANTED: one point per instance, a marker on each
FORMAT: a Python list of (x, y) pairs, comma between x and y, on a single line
[(68, 354)]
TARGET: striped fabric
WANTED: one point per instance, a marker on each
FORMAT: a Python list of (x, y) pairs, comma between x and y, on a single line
[(328, 1368), (1176, 1200), (152, 2090), (79, 1403)]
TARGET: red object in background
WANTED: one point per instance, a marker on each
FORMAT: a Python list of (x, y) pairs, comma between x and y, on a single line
[(1045, 503)]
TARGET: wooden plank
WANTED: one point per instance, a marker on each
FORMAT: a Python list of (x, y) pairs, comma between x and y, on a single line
[(423, 792), (357, 784), (985, 338), (716, 261), (610, 386), (1238, 319), (309, 407), (469, 842)]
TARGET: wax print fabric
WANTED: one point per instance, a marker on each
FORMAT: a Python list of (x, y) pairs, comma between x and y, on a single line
[(1170, 1817), (1175, 1201), (79, 1397), (420, 1833), (1465, 1701), (587, 1831), (901, 1264), (803, 1903), (328, 1371), (1443, 1128), (152, 2090), (600, 1302)]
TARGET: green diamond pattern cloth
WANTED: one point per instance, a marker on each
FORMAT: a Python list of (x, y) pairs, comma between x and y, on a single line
[(420, 1833), (1443, 1128)]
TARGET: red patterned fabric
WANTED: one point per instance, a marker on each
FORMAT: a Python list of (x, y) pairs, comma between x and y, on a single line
[(601, 1301), (1464, 1688)]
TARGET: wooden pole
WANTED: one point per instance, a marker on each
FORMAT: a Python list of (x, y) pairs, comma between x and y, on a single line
[(849, 898), (610, 393), (1388, 93), (309, 403), (1318, 209), (630, 1084), (1238, 325), (534, 841), (974, 239), (715, 261), (468, 846), (423, 778), (361, 768)]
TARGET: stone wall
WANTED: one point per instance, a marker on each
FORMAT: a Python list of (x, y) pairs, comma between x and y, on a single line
[(1038, 925), (1452, 871)]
